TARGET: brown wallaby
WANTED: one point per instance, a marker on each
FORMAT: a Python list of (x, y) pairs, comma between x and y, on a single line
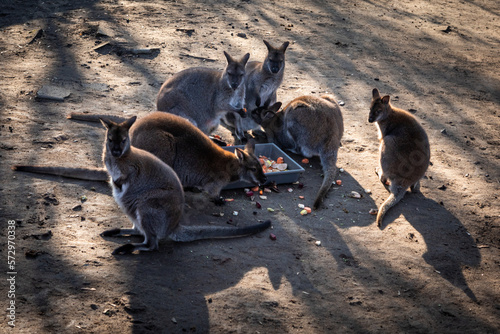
[(194, 157), (203, 95), (404, 150), (262, 81), (151, 194), (310, 126)]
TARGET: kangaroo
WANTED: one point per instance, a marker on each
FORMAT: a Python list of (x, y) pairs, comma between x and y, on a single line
[(151, 195), (198, 161), (308, 125), (204, 95), (404, 150), (262, 81)]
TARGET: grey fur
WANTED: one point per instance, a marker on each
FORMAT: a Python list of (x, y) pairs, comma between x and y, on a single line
[(203, 95), (151, 194)]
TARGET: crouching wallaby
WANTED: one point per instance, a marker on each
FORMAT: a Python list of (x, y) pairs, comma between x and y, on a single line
[(310, 126), (404, 150), (151, 194), (203, 95), (262, 81), (198, 162)]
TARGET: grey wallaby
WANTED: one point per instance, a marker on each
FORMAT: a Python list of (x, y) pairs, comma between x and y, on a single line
[(404, 150), (308, 125), (151, 195), (198, 161), (262, 81), (203, 95)]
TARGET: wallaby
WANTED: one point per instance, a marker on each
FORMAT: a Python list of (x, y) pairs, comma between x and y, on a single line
[(310, 126), (203, 95), (404, 150), (151, 194), (262, 81), (194, 157)]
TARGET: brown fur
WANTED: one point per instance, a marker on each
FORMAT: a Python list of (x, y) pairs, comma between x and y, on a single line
[(404, 150), (308, 125)]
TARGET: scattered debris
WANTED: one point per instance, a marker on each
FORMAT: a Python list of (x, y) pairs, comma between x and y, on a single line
[(272, 236), (55, 93), (318, 243), (34, 34), (373, 211), (341, 103), (355, 194), (258, 205), (367, 191), (229, 199), (263, 197), (338, 182), (270, 209), (305, 161), (235, 213), (301, 206)]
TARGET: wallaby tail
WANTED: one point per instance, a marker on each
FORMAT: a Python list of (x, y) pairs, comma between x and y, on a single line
[(329, 171), (393, 199), (191, 233), (92, 174), (79, 116)]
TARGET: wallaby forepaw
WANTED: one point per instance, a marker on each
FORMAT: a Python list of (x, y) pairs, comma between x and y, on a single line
[(219, 201), (125, 249), (111, 233)]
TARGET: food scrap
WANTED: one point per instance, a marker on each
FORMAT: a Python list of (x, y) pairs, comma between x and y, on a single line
[(272, 236), (338, 182), (303, 212), (270, 209), (373, 211), (270, 166), (305, 161)]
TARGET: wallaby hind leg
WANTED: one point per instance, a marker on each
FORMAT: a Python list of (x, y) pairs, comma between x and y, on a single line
[(415, 188), (119, 232), (397, 193), (149, 244), (330, 171), (382, 178)]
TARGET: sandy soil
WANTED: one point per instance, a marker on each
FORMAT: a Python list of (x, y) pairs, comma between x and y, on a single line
[(433, 267)]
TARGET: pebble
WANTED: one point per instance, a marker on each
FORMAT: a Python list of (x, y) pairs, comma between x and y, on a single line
[(318, 243)]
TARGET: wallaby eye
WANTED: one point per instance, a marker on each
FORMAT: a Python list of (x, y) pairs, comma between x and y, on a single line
[(253, 169), (124, 140)]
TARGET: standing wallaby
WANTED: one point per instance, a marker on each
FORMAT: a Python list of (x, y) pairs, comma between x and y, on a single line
[(194, 157), (404, 150), (151, 194), (310, 126), (203, 95), (262, 81)]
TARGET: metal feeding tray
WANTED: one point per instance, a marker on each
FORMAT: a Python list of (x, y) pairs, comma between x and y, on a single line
[(270, 150)]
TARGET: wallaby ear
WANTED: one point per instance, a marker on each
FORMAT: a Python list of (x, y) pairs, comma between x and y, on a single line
[(245, 58), (375, 93), (269, 47), (275, 107), (250, 146), (268, 114), (284, 46), (128, 123), (386, 99), (228, 57), (238, 152), (106, 122)]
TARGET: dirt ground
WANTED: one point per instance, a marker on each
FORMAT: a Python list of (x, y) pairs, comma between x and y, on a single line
[(433, 267)]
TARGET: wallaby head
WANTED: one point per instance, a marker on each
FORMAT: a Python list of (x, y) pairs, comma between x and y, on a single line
[(235, 70), (380, 107), (250, 168), (266, 115), (117, 137), (275, 60)]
